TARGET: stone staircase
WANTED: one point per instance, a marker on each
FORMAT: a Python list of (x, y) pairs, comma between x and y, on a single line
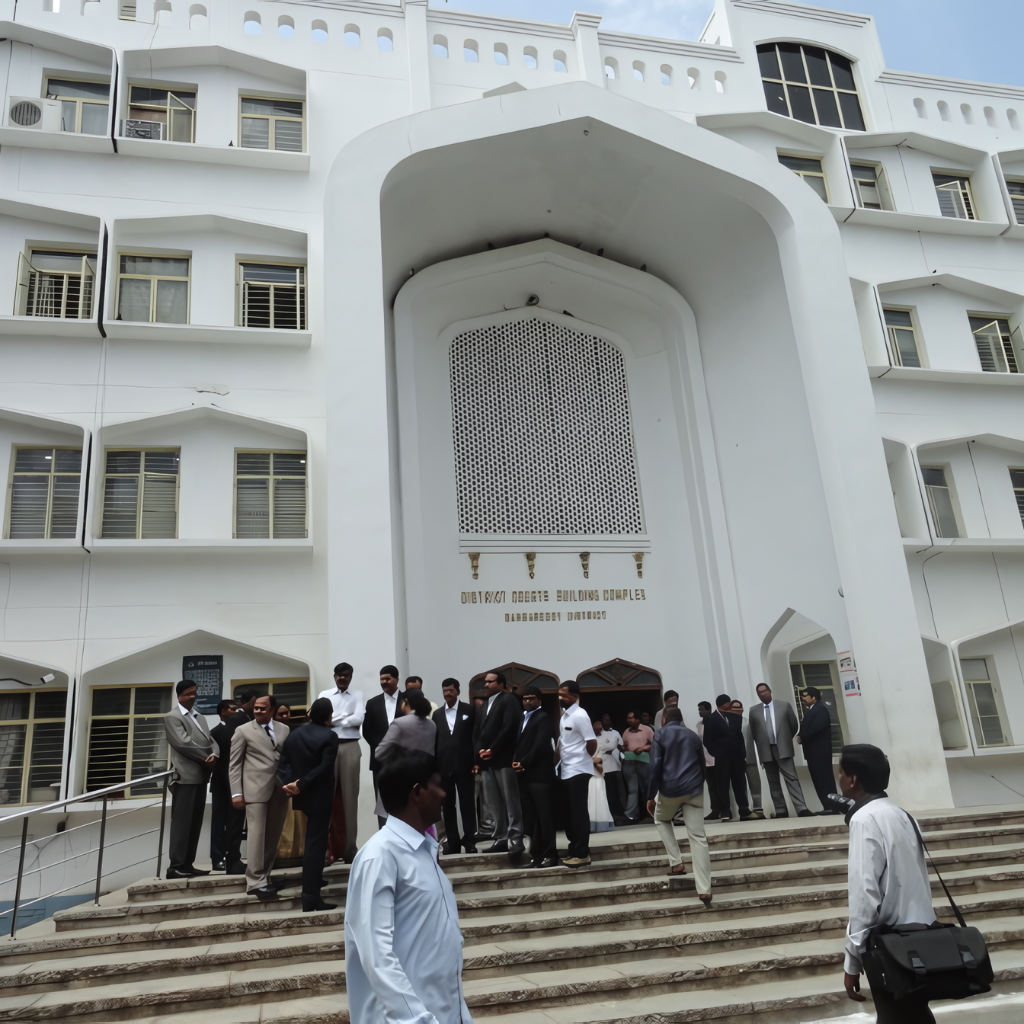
[(619, 941)]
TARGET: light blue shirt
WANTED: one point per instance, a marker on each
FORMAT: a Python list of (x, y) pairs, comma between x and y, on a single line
[(403, 946)]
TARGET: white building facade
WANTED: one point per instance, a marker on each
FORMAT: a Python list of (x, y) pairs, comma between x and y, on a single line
[(375, 332)]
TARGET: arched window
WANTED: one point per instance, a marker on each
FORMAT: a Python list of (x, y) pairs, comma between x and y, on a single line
[(251, 24), (619, 673), (500, 54), (440, 47), (286, 27), (319, 33), (471, 51), (530, 56), (560, 62), (352, 35), (638, 70), (810, 84), (516, 677), (611, 67), (666, 74), (385, 40)]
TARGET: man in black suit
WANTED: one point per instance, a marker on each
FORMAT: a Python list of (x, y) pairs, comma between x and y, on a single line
[(723, 738), (380, 713), (815, 737), (233, 828), (307, 769), (220, 787), (495, 733), (534, 765), (455, 759)]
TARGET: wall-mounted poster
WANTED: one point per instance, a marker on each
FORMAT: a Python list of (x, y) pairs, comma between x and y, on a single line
[(207, 672), (848, 674)]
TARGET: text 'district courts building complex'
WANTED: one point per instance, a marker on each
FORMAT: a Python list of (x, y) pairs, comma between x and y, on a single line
[(383, 332)]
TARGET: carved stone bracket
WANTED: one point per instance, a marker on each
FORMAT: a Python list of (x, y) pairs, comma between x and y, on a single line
[(474, 560), (585, 559), (638, 557), (531, 561)]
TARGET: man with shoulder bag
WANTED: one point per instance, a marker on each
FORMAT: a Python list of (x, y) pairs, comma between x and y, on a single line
[(909, 957)]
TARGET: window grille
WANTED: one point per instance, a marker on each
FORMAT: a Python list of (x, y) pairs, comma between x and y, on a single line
[(140, 494), (1017, 482), (56, 284), (542, 433), (43, 495), (809, 170), (940, 501), (900, 327), (270, 494), (293, 692), (126, 736), (273, 296), (31, 745), (1016, 190), (994, 341), (271, 124), (175, 109), (153, 289), (820, 675), (126, 10), (871, 190), (954, 195), (84, 105), (810, 84), (984, 700)]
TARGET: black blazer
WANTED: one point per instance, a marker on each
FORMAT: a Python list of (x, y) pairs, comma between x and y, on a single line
[(534, 751), (375, 725), (497, 730), (816, 731), (308, 757), (221, 734), (455, 754), (723, 736)]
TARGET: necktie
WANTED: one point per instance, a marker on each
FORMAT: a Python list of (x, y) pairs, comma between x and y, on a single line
[(769, 724), (266, 729)]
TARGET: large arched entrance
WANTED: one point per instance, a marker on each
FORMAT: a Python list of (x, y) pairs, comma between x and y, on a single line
[(618, 687)]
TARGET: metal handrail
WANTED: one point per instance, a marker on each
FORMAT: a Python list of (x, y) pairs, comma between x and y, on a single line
[(98, 794)]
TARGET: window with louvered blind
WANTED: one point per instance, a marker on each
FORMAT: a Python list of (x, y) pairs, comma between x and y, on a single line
[(994, 341), (140, 494), (42, 497), (31, 745), (271, 124), (954, 195), (272, 296), (290, 691), (1017, 482), (270, 495), (126, 736), (1016, 190)]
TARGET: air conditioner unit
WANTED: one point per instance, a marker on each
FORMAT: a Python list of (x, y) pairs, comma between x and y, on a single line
[(30, 112), (135, 129)]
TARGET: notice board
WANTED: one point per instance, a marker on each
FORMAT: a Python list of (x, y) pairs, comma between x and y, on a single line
[(207, 672)]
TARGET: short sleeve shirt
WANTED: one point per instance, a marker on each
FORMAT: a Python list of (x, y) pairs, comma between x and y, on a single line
[(574, 730)]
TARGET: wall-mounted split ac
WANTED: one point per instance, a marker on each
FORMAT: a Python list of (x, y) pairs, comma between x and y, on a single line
[(135, 129), (29, 112)]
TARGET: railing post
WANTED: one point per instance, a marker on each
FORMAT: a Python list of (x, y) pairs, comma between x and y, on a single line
[(21, 869), (99, 859), (160, 843)]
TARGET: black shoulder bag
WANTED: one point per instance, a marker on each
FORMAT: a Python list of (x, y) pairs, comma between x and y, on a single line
[(937, 961)]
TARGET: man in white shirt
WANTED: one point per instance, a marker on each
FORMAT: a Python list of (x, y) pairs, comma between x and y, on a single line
[(609, 747), (403, 946), (888, 877), (346, 719), (576, 747)]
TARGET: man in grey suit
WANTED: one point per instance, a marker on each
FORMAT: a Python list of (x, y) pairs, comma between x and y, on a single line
[(255, 757), (193, 754), (773, 727)]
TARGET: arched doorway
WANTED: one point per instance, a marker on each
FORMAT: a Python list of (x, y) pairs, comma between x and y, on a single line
[(617, 687)]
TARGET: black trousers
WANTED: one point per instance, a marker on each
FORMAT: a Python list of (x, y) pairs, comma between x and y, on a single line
[(461, 785), (910, 1010), (823, 777), (616, 789), (233, 830), (537, 801), (577, 825), (188, 802), (318, 828), (732, 768), (220, 808)]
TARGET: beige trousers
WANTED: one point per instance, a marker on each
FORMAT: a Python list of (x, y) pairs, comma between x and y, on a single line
[(264, 822), (346, 779), (692, 806)]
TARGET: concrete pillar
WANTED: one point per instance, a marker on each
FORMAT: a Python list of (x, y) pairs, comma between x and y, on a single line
[(588, 49), (418, 43)]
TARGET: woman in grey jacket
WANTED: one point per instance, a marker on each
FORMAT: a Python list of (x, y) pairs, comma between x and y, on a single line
[(412, 729)]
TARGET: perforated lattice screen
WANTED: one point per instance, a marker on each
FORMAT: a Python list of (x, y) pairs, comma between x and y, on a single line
[(542, 433)]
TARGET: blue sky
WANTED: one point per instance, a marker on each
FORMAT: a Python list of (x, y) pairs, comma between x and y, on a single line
[(976, 39)]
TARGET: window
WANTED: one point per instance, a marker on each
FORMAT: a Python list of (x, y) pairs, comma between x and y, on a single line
[(1017, 482), (293, 692), (995, 344), (153, 289), (900, 328), (822, 675), (808, 169), (1016, 190), (126, 10), (140, 494), (270, 494), (272, 124), (272, 296), (871, 190), (32, 738), (810, 84), (940, 501), (43, 495), (173, 109), (954, 195), (984, 698), (85, 105), (54, 283), (126, 736)]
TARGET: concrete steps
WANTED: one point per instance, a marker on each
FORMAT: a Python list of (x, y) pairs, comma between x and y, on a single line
[(617, 941)]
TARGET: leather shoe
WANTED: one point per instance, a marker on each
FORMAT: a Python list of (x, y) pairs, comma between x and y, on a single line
[(450, 848), (263, 892), (175, 873), (313, 903), (805, 813), (784, 814), (196, 872), (550, 862), (515, 851), (238, 868), (535, 863), (501, 846), (713, 816), (469, 848), (220, 866)]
